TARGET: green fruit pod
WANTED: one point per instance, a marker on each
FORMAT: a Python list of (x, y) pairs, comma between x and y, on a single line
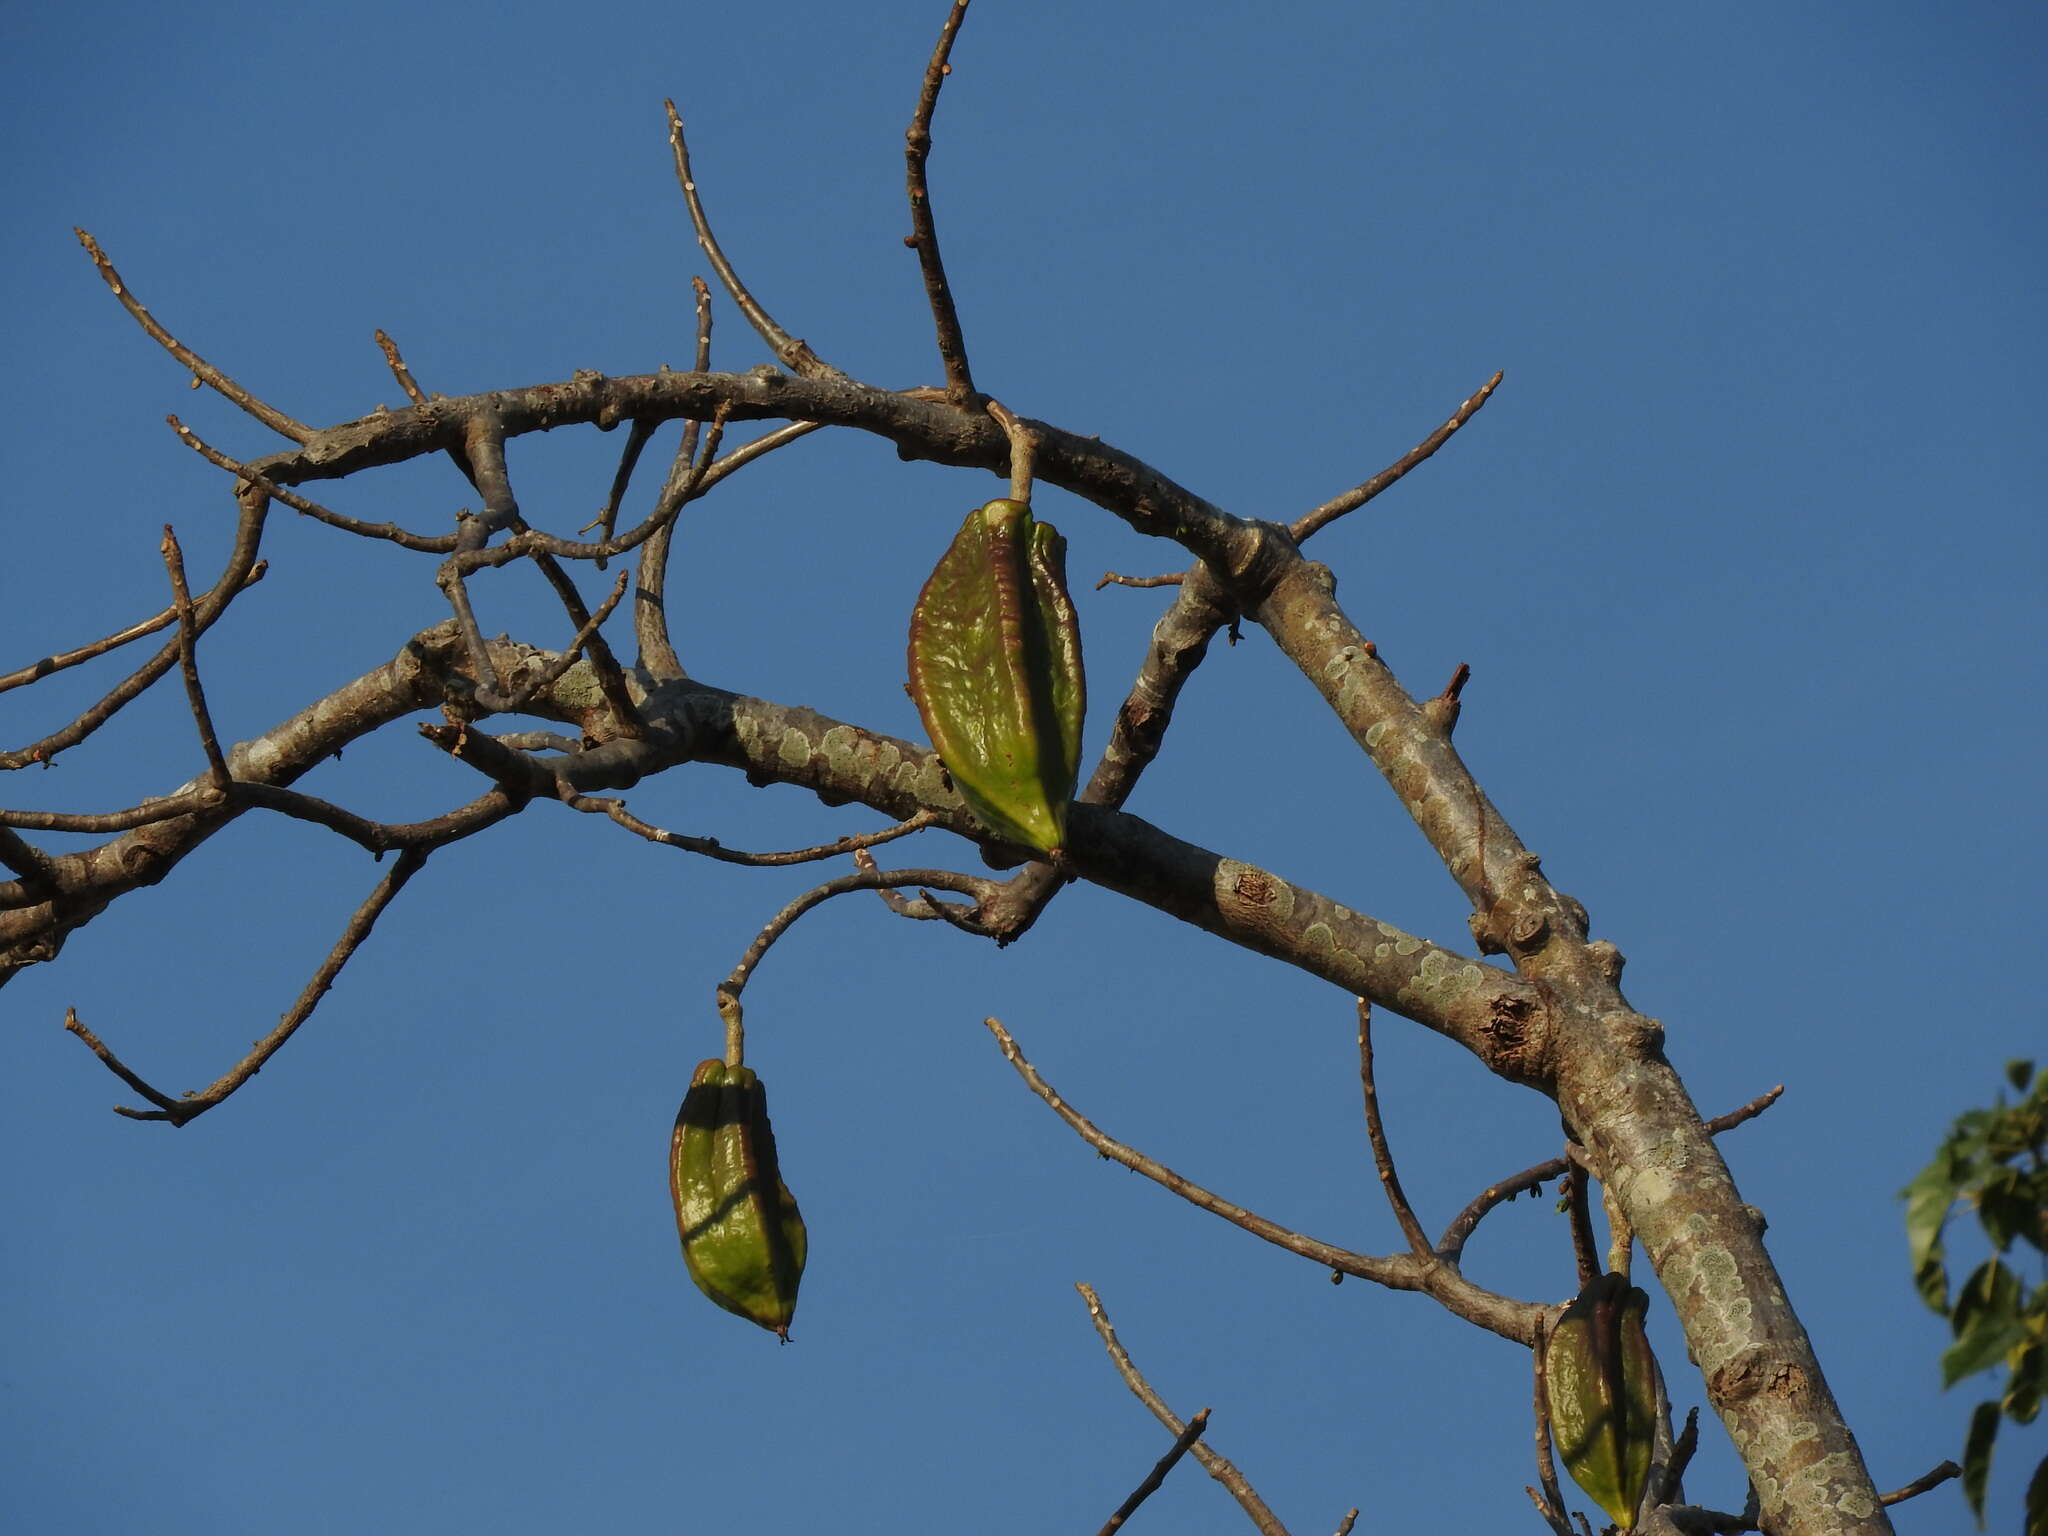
[(743, 1240), (1602, 1382), (995, 669)]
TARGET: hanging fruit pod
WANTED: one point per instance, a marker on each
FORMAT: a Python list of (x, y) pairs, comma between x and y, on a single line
[(1602, 1382), (995, 670), (743, 1240)]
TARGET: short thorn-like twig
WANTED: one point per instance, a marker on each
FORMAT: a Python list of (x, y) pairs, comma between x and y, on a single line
[(924, 235), (1359, 495), (399, 371), (1213, 1462), (182, 1111), (202, 371), (1112, 579), (195, 695), (1157, 1475), (1920, 1485), (1376, 1132), (1442, 711)]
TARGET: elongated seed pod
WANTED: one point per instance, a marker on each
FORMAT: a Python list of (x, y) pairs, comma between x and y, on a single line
[(995, 669), (1602, 1384), (742, 1238)]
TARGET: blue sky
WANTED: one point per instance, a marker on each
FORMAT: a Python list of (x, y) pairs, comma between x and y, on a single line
[(1746, 558)]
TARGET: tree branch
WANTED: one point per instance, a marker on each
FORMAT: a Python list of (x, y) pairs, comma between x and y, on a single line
[(1213, 1462), (181, 1112), (1440, 1281), (924, 235)]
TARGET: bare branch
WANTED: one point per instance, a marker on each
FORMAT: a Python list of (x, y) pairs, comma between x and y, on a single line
[(794, 353), (1376, 1132), (254, 504), (924, 236), (1213, 1462), (35, 671), (711, 848), (202, 371), (1157, 1475), (183, 1111), (195, 693), (404, 538), (650, 606), (1312, 522), (1452, 1244), (1401, 1272)]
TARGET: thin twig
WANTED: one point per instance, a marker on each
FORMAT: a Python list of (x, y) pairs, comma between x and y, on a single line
[(1398, 1271), (728, 992), (146, 814), (794, 353), (864, 880), (1213, 1462), (1921, 1484), (35, 671), (711, 848), (399, 371), (924, 236), (1671, 1486), (26, 860), (583, 637), (1112, 579), (200, 368), (1157, 1475), (1551, 1504), (637, 437), (1459, 1232), (1579, 1208), (924, 906), (1311, 522), (650, 604), (439, 544), (182, 1111), (1376, 1132), (188, 662), (254, 504)]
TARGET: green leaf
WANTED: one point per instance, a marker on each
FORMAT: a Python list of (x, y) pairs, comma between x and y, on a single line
[(995, 669), (1929, 1199), (2037, 1501), (1986, 1320), (1977, 1456), (2029, 1364), (2019, 1074)]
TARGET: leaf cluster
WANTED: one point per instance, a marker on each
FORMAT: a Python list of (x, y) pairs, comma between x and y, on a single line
[(1993, 1162)]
